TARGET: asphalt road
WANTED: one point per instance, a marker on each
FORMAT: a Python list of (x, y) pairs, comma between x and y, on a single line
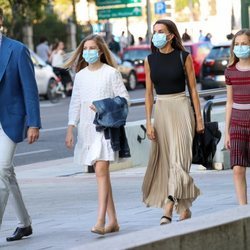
[(50, 145), (62, 202), (54, 117)]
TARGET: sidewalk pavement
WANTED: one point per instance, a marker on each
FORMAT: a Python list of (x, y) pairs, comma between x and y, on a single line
[(62, 202)]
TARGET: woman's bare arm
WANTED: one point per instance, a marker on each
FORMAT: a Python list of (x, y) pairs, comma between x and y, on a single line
[(194, 94), (149, 101)]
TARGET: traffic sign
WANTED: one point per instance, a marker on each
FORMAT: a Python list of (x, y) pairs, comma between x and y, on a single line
[(119, 12), (115, 2), (160, 8)]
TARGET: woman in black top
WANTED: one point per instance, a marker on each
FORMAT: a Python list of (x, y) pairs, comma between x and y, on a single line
[(167, 183)]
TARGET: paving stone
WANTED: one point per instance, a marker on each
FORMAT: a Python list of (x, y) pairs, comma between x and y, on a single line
[(62, 202)]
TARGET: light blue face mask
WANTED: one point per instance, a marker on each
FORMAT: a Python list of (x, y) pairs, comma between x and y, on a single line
[(242, 51), (90, 56), (159, 40)]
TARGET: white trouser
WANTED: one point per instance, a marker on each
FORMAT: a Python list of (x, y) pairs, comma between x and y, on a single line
[(8, 182)]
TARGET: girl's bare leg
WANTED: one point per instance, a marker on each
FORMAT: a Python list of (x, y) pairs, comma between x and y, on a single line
[(111, 208), (103, 183), (240, 184)]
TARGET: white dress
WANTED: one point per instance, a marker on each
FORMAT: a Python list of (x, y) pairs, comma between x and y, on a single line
[(90, 86), (57, 59)]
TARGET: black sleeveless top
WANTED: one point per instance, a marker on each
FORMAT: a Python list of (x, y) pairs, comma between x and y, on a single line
[(167, 72)]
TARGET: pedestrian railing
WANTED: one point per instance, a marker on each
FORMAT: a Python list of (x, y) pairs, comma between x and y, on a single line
[(209, 105), (202, 93), (221, 156)]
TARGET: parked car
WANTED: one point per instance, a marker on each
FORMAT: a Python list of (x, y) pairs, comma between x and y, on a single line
[(46, 79), (198, 52), (128, 72), (214, 65), (136, 55)]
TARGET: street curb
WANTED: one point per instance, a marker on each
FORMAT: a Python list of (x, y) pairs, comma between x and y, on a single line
[(124, 164)]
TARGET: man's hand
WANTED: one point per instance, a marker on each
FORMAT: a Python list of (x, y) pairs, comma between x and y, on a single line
[(32, 135)]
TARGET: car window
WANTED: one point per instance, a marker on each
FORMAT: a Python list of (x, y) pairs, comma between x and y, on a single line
[(133, 55), (203, 49), (219, 52)]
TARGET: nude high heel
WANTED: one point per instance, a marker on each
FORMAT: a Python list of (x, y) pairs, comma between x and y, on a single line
[(98, 230), (167, 219), (187, 215), (112, 228)]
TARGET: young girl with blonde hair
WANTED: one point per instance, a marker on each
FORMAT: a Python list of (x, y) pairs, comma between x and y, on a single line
[(96, 79)]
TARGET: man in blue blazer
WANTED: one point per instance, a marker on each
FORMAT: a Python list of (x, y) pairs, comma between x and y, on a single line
[(19, 118)]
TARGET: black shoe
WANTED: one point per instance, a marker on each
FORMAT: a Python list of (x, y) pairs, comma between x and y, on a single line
[(20, 233)]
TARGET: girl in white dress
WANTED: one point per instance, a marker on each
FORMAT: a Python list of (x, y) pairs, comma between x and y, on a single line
[(96, 79)]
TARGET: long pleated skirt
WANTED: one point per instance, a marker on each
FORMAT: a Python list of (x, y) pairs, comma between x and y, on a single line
[(171, 154)]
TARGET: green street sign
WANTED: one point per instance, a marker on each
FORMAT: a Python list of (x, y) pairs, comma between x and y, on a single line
[(119, 12), (115, 2)]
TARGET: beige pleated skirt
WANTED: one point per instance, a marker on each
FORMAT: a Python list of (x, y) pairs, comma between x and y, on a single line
[(171, 154)]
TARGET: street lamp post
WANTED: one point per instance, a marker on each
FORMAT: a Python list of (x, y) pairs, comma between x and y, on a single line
[(127, 23), (72, 29), (149, 32), (74, 11), (190, 5)]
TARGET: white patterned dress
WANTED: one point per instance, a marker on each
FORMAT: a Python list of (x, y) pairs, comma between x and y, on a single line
[(91, 86)]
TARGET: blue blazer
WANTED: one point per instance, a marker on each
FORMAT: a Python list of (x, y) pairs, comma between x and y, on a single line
[(19, 99)]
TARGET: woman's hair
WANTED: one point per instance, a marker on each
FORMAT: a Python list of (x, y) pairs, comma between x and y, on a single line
[(55, 45), (176, 42), (78, 61), (233, 59)]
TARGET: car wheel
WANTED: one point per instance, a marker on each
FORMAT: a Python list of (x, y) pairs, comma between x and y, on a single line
[(52, 91), (132, 81)]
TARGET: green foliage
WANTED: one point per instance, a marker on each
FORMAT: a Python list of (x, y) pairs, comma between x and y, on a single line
[(65, 2), (4, 4), (181, 4), (27, 10), (18, 13), (52, 28), (21, 12)]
